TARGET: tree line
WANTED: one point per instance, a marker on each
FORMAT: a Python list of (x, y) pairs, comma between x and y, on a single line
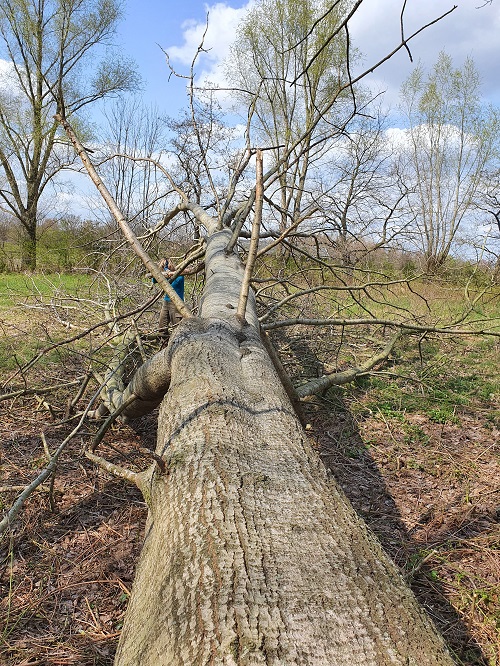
[(343, 174)]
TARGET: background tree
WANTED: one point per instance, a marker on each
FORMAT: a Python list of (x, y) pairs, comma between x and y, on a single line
[(202, 151), (296, 117), (134, 138), (452, 139), (361, 195), (51, 47)]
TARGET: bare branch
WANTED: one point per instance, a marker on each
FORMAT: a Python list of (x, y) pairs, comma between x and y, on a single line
[(254, 241), (338, 378), (122, 223), (139, 479), (381, 322), (13, 512), (402, 44), (34, 391)]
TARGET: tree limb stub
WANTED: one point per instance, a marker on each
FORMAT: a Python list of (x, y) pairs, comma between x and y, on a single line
[(139, 479), (144, 392)]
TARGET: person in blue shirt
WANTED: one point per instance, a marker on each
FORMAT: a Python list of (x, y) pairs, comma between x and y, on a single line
[(168, 313)]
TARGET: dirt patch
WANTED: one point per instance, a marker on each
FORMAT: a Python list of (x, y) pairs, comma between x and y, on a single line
[(67, 570)]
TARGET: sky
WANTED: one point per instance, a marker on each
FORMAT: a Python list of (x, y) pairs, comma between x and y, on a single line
[(150, 27), (176, 27)]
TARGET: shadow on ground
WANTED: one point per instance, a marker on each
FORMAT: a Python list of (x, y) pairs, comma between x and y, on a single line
[(344, 452)]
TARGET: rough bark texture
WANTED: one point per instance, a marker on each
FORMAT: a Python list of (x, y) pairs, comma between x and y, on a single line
[(252, 555)]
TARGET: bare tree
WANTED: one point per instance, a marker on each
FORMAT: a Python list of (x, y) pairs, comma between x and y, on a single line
[(297, 119), (134, 139), (361, 195), (51, 48), (452, 140)]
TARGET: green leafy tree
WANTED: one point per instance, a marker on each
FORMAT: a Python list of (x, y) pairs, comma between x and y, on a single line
[(50, 50), (452, 138)]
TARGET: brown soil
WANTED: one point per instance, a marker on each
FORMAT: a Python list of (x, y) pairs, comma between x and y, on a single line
[(436, 510)]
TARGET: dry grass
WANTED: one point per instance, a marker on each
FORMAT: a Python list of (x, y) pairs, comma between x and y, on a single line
[(420, 462)]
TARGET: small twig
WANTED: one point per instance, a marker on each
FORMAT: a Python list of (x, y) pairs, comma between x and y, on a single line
[(31, 391), (43, 403), (140, 346), (16, 489), (52, 502), (97, 624), (137, 478), (403, 40), (111, 419), (158, 459), (420, 564), (73, 402)]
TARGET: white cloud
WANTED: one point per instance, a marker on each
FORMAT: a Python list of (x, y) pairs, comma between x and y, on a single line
[(376, 30), (398, 138), (222, 24), (8, 78)]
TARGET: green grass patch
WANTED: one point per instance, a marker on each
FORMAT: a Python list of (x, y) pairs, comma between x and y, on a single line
[(441, 387), (16, 288)]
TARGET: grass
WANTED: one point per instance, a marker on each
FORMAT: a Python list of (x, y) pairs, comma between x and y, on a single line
[(419, 434), (443, 387), (16, 288)]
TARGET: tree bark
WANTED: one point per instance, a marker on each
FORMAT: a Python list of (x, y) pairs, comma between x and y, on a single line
[(252, 554)]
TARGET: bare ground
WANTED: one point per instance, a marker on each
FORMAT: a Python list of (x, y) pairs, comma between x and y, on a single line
[(436, 510)]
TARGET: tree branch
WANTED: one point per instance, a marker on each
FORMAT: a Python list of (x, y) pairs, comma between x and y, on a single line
[(381, 322), (151, 266), (338, 378), (254, 241)]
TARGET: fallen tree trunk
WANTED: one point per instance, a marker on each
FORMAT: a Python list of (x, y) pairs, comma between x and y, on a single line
[(252, 554)]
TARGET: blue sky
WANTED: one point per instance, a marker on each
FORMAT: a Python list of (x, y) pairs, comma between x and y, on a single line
[(176, 26), (163, 24)]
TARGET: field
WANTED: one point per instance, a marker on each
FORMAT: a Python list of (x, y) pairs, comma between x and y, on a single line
[(414, 445)]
